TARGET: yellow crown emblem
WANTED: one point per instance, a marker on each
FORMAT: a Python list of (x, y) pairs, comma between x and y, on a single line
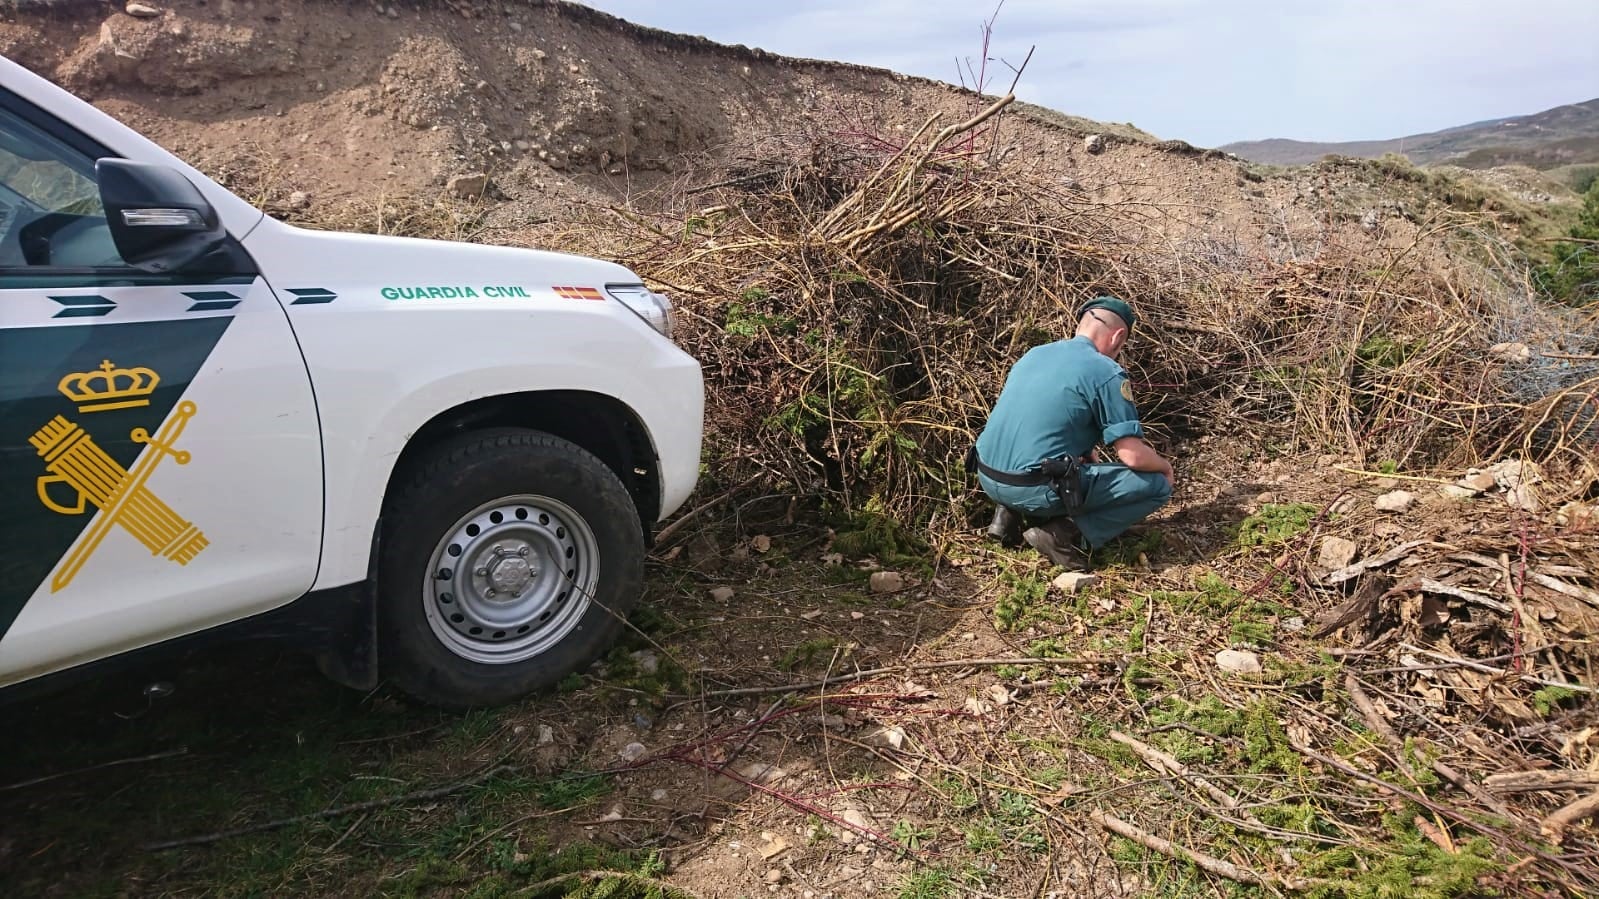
[(109, 388)]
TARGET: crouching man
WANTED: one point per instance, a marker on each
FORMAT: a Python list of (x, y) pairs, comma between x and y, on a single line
[(1059, 401)]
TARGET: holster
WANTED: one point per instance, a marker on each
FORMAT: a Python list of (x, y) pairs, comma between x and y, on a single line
[(1063, 475)]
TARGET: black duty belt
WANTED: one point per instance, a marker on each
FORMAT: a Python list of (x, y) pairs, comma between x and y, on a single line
[(1062, 474)]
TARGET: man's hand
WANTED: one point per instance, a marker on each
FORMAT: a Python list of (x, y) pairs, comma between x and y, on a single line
[(1140, 456)]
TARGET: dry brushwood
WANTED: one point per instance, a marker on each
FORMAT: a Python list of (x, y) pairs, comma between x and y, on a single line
[(856, 309)]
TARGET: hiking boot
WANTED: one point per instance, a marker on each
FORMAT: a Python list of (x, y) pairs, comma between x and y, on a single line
[(1006, 526), (1058, 540)]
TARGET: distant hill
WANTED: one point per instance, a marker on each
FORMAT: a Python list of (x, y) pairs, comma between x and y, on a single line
[(1564, 135)]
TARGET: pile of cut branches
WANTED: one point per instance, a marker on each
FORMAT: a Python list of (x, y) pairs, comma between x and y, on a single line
[(856, 303)]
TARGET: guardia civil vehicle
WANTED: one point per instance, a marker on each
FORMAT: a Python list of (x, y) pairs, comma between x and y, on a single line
[(434, 464)]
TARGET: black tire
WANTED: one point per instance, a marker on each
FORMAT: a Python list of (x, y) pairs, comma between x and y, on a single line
[(422, 649)]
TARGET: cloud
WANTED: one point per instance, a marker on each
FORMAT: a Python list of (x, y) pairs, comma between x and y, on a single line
[(1207, 72)]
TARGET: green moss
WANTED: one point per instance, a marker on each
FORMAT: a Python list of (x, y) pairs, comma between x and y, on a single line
[(1275, 523)]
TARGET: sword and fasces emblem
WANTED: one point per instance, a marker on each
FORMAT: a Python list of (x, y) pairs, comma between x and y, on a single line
[(121, 496)]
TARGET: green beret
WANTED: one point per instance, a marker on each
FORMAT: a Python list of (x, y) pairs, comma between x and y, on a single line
[(1110, 304)]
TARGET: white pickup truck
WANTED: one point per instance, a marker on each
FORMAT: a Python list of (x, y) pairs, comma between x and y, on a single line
[(436, 464)]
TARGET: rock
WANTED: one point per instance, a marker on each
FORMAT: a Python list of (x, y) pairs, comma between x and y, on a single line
[(892, 737), (775, 875), (1512, 473), (1479, 481), (1072, 583), (1238, 661), (1522, 497), (516, 27), (546, 735), (762, 773), (856, 616), (886, 582), (648, 662), (657, 795), (774, 847), (299, 200), (142, 11), (1370, 220), (855, 818), (632, 752), (1510, 352), (1336, 553), (1094, 143), (1455, 491), (761, 544), (470, 186), (721, 594), (812, 615), (1397, 501)]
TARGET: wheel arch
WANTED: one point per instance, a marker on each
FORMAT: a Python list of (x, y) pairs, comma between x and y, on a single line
[(601, 424)]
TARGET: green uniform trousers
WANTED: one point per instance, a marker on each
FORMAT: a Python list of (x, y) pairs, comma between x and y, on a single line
[(1114, 499)]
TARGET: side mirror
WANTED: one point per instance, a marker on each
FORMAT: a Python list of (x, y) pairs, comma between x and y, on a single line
[(160, 222)]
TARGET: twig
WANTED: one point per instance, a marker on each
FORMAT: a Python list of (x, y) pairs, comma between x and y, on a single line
[(1375, 720), (418, 796), (666, 532), (510, 824), (1533, 781), (1167, 764), (1397, 477), (1554, 826), (1500, 672), (1182, 853), (876, 672), (171, 753), (637, 880)]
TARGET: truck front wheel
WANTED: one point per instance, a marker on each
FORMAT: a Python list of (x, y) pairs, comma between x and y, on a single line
[(510, 559)]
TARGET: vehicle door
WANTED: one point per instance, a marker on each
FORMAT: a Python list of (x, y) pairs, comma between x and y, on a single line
[(160, 461)]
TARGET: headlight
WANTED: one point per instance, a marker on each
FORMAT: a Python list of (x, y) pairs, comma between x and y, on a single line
[(654, 308)]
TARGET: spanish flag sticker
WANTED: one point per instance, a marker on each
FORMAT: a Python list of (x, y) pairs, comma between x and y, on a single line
[(578, 293)]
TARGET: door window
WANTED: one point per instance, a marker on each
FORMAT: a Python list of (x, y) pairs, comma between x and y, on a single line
[(50, 211)]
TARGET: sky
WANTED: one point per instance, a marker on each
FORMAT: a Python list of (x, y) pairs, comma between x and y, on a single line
[(1206, 71)]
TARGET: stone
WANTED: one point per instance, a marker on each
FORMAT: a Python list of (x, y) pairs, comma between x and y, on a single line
[(1479, 481), (856, 616), (1397, 501), (775, 875), (1510, 352), (469, 186), (1072, 583), (657, 795), (1512, 473), (721, 594), (1238, 661), (299, 200), (1455, 491), (886, 582), (775, 847), (142, 11), (1094, 143), (1337, 552), (892, 737), (632, 752), (762, 773), (648, 662), (546, 735), (761, 543), (516, 27), (1524, 498)]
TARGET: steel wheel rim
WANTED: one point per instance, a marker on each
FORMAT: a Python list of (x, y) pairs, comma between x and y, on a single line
[(511, 579)]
